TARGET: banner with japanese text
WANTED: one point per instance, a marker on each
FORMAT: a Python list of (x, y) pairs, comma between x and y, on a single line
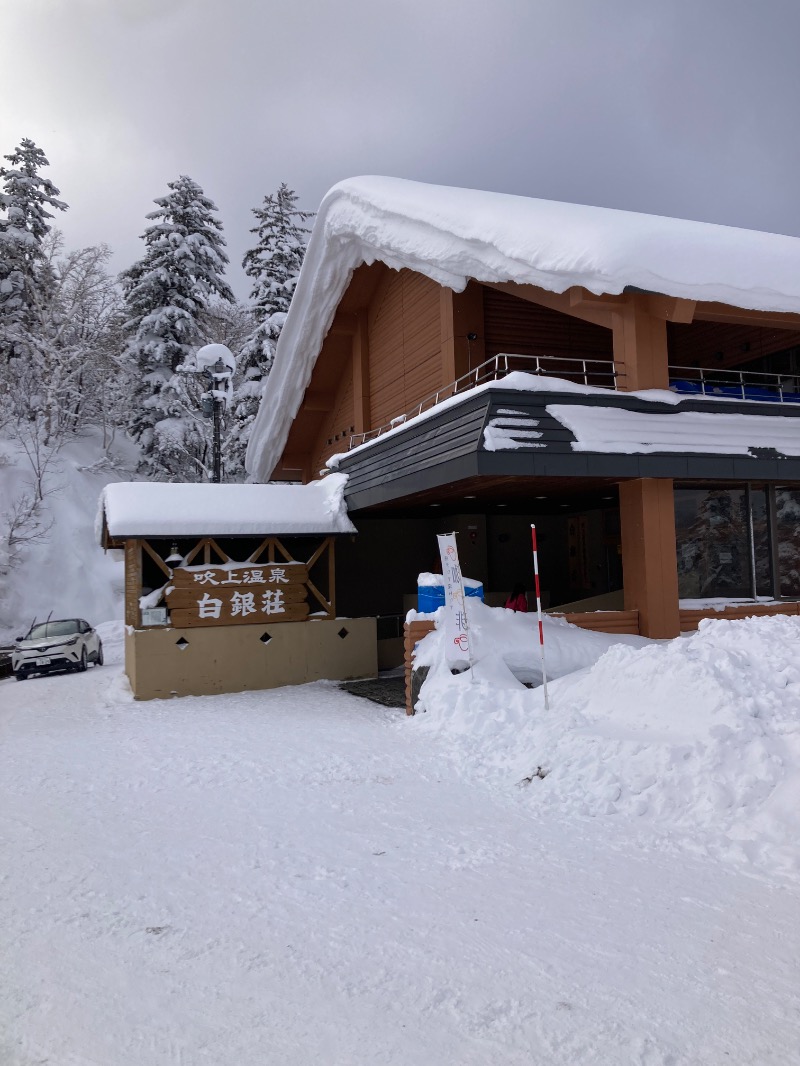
[(456, 630)]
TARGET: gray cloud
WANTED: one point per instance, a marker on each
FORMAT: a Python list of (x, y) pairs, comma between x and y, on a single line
[(680, 108)]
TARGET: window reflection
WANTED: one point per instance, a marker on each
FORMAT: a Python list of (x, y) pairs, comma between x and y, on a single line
[(787, 535), (713, 542)]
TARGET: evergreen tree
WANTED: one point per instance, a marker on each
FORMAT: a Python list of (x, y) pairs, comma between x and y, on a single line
[(274, 265), (25, 201), (167, 294)]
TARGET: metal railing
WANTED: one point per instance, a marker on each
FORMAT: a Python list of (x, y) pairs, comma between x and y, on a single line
[(735, 384), (598, 372), (601, 373)]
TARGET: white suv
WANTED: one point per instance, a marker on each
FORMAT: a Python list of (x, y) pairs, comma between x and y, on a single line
[(67, 644)]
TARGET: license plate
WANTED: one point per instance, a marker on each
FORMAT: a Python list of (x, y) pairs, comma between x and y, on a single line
[(43, 662)]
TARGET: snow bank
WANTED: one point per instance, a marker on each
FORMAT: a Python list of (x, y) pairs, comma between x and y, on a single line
[(141, 508), (699, 736), (452, 235), (513, 638)]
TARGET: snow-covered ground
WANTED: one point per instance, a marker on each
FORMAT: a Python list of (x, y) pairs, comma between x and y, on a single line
[(301, 876)]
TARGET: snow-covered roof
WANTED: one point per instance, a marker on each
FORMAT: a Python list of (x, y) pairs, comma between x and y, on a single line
[(614, 430), (452, 235), (156, 509)]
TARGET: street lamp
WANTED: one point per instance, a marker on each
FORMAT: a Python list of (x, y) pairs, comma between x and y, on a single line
[(218, 364)]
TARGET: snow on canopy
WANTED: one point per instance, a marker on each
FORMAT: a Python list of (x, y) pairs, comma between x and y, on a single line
[(162, 509), (612, 430), (452, 235)]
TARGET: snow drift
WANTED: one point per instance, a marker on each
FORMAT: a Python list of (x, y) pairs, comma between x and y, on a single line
[(699, 735)]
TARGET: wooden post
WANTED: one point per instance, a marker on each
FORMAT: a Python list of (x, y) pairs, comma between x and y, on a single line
[(413, 632), (649, 557), (133, 582), (332, 576), (640, 347), (448, 345)]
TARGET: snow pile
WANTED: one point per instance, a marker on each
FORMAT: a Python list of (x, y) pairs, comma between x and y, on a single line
[(141, 509), (498, 634), (452, 235), (700, 735)]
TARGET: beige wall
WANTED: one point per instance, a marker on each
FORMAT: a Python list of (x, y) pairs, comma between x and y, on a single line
[(220, 659)]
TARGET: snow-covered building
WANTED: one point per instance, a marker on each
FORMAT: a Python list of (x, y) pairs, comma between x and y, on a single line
[(478, 361), (219, 580)]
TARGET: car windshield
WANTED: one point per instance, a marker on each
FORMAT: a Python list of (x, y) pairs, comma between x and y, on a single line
[(55, 629)]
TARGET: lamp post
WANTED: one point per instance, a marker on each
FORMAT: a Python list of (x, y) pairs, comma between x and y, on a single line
[(218, 364)]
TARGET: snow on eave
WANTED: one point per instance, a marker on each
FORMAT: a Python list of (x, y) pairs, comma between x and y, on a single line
[(451, 235), (158, 509)]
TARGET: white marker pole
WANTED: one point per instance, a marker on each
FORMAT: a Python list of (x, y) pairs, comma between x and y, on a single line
[(539, 614)]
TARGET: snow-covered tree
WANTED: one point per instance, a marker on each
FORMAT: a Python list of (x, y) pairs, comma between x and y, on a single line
[(167, 294), (25, 201), (274, 265)]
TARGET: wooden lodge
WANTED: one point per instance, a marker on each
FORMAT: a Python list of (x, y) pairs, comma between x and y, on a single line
[(651, 431)]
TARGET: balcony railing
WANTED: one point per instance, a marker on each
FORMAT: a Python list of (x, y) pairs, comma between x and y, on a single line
[(735, 384), (601, 373)]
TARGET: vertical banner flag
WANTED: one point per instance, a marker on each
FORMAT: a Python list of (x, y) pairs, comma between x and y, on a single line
[(456, 632)]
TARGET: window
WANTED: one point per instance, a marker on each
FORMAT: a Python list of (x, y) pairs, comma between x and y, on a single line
[(723, 542)]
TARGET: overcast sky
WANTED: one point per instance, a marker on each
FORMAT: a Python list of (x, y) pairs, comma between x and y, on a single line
[(677, 107)]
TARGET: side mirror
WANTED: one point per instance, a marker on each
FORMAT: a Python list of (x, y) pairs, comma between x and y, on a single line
[(18, 639)]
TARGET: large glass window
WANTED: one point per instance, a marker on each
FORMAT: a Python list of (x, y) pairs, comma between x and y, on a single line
[(787, 538), (723, 543)]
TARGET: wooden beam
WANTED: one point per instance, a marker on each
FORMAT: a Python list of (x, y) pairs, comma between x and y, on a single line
[(133, 582), (672, 309), (193, 553), (332, 575), (157, 559), (599, 316), (717, 312), (223, 555), (312, 588), (580, 298)]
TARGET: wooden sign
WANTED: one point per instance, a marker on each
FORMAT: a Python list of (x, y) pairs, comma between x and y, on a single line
[(215, 595), (278, 574)]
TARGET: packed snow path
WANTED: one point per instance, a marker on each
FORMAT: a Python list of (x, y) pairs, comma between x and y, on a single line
[(301, 876)]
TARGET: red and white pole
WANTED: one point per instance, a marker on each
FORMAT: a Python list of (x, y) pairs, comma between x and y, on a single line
[(539, 613)]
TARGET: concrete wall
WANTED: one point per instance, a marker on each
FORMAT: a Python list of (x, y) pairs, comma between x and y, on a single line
[(219, 659)]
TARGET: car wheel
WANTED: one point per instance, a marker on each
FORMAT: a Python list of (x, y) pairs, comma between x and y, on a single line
[(83, 663), (20, 675), (99, 657)]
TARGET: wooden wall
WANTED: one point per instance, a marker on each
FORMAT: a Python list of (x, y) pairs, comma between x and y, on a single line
[(404, 344), (337, 425), (720, 345), (524, 328)]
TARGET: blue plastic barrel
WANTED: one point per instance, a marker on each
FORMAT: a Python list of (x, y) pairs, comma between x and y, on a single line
[(430, 596)]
